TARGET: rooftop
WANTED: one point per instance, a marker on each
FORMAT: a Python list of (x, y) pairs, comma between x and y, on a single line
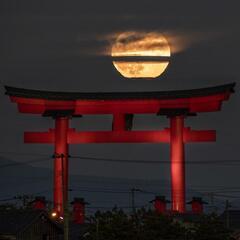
[(13, 221), (55, 95)]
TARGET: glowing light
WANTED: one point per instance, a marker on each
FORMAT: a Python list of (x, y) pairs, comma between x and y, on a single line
[(132, 44), (54, 214)]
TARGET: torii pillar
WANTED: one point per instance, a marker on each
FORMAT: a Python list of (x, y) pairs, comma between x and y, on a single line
[(178, 135), (60, 163), (177, 163)]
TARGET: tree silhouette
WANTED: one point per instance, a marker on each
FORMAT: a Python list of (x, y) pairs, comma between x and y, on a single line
[(150, 225)]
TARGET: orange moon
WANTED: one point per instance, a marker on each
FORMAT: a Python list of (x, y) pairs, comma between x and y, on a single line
[(133, 44)]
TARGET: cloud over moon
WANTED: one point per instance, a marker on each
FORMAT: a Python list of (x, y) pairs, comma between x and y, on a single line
[(101, 44)]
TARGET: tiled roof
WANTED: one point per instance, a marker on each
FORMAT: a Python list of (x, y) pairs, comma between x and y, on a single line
[(13, 221)]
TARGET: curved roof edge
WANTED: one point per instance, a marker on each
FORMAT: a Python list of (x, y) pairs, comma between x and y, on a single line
[(68, 96)]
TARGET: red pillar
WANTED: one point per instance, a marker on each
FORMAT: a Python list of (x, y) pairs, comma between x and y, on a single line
[(79, 210), (60, 163), (197, 205), (39, 203), (177, 163), (160, 204)]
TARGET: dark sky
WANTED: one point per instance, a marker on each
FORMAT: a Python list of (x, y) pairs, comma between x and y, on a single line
[(58, 45)]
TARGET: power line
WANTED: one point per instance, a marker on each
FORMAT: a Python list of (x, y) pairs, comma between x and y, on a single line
[(14, 198), (101, 191), (111, 207), (24, 162), (137, 161), (224, 162), (227, 196), (109, 191), (7, 199), (23, 153)]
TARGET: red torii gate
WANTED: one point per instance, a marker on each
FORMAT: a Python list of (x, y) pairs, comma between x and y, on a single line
[(176, 105)]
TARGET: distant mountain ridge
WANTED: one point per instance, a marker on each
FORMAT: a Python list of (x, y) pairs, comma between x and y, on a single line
[(101, 192), (21, 178)]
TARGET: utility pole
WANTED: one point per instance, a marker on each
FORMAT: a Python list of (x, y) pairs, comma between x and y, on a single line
[(227, 214), (65, 202), (133, 190), (213, 207), (64, 198), (97, 229)]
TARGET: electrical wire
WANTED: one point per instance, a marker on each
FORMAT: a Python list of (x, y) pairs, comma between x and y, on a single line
[(219, 193), (23, 153), (7, 199), (224, 162), (229, 162), (23, 163)]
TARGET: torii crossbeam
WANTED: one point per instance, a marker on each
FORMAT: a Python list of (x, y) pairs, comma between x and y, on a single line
[(176, 105)]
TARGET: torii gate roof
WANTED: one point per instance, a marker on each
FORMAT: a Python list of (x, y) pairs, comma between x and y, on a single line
[(192, 101)]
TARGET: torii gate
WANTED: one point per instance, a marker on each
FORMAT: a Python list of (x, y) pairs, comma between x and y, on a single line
[(176, 105)]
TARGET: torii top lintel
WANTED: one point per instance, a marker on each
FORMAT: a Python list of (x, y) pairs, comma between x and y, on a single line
[(192, 101)]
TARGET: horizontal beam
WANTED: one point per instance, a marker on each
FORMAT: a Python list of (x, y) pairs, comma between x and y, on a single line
[(199, 135), (101, 137), (119, 137), (121, 106), (161, 136), (39, 137)]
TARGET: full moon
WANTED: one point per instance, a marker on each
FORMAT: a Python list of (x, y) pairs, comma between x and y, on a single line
[(133, 44)]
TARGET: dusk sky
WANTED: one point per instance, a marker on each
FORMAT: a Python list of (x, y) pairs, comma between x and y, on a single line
[(65, 45)]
